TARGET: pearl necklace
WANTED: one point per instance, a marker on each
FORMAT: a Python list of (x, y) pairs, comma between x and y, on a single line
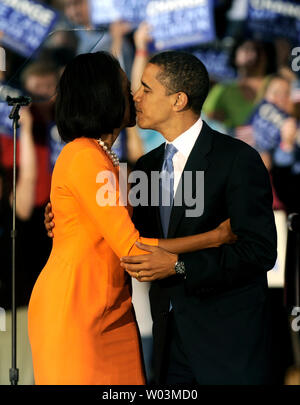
[(113, 157)]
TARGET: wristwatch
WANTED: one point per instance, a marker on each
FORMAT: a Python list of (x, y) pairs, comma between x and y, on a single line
[(180, 269)]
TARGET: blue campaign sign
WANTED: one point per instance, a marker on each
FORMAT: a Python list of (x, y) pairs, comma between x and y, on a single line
[(216, 62), (275, 18), (104, 12), (25, 25), (5, 109), (266, 122), (108, 11), (133, 11), (180, 23)]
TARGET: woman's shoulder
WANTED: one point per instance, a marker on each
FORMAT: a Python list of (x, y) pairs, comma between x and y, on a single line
[(81, 146), (79, 152)]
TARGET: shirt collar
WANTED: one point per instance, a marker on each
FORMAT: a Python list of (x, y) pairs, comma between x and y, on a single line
[(184, 143)]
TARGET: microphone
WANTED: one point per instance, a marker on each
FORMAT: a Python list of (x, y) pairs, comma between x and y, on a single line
[(21, 101)]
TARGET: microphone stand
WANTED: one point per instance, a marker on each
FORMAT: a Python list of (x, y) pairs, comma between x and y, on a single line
[(16, 103)]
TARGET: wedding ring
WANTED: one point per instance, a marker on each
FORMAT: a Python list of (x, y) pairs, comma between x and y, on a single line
[(137, 275)]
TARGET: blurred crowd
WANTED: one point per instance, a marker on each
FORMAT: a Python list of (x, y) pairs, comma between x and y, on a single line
[(262, 85)]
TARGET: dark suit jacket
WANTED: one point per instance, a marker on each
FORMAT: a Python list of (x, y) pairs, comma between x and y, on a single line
[(220, 308)]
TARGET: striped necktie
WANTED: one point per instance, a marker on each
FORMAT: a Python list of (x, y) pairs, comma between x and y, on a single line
[(167, 187)]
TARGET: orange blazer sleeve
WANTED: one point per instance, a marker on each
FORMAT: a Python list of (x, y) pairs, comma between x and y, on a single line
[(96, 188)]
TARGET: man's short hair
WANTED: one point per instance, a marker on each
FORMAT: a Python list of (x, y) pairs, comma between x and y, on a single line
[(183, 72)]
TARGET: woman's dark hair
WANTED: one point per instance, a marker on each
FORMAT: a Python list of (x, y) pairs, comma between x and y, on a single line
[(90, 99)]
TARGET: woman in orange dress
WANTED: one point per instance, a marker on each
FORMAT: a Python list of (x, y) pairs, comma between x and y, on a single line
[(82, 326)]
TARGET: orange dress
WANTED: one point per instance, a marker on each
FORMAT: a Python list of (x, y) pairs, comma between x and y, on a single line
[(81, 322)]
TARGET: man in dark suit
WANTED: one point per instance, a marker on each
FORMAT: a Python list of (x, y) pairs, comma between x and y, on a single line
[(209, 307)]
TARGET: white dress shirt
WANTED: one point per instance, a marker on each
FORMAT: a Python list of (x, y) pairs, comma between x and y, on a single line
[(184, 143)]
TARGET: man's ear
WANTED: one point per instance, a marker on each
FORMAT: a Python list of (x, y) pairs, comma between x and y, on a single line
[(180, 101)]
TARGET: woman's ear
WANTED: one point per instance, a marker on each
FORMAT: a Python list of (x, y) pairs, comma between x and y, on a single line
[(181, 101)]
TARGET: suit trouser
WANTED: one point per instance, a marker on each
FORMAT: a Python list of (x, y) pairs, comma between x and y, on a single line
[(178, 371)]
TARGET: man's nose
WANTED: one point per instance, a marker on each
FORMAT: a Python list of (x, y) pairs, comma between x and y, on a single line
[(137, 95)]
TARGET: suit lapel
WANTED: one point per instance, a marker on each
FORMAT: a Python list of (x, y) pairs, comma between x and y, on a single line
[(197, 161)]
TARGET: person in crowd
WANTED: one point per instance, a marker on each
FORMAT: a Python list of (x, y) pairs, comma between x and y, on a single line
[(32, 248), (82, 326), (134, 147), (39, 79), (25, 199), (79, 14), (129, 146), (277, 145), (233, 103), (142, 38), (278, 93)]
